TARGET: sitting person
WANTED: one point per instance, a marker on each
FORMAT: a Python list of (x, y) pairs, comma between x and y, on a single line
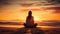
[(30, 20)]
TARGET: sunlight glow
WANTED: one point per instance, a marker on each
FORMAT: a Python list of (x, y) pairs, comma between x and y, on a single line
[(36, 18)]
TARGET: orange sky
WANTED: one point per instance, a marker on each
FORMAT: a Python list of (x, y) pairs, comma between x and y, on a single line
[(18, 10), (21, 14)]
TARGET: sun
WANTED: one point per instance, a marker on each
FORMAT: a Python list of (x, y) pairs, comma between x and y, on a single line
[(36, 18)]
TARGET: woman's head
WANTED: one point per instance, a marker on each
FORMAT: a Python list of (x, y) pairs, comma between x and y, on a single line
[(30, 13)]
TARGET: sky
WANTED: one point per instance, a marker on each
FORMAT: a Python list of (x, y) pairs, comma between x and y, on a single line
[(17, 10)]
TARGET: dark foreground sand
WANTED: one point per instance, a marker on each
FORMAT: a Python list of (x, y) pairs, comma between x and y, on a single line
[(38, 30)]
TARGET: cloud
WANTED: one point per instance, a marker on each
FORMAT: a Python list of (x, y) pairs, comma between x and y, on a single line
[(56, 9), (26, 4), (5, 2), (11, 23), (29, 3), (54, 1), (50, 23)]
